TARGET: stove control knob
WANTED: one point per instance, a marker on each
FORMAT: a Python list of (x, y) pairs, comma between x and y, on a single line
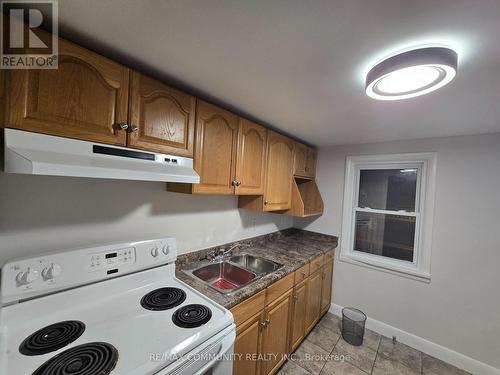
[(154, 252), (26, 277), (51, 272), (166, 249)]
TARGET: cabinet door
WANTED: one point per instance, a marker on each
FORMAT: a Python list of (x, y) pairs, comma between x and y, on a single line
[(275, 334), (246, 347), (251, 159), (313, 299), (300, 159), (85, 98), (310, 169), (326, 289), (298, 321), (216, 137), (278, 192), (161, 119)]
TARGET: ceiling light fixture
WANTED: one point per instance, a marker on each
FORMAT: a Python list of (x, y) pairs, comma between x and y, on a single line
[(411, 73)]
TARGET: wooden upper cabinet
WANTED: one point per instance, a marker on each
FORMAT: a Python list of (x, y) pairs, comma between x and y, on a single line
[(161, 119), (300, 160), (85, 98), (277, 194), (250, 159), (304, 161), (311, 163), (216, 140)]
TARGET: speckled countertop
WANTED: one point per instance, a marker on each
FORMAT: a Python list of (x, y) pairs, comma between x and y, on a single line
[(292, 247)]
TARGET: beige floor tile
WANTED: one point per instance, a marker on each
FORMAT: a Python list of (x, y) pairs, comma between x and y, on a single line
[(310, 357), (291, 368), (411, 358), (360, 356), (323, 337), (341, 368), (434, 366), (331, 322), (371, 339), (386, 366)]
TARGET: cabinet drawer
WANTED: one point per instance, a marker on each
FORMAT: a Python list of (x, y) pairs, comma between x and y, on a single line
[(316, 263), (301, 274), (279, 288), (248, 308)]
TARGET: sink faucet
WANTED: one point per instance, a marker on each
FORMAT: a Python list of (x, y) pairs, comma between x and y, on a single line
[(216, 255)]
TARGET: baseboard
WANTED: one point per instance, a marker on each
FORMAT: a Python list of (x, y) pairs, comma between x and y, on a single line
[(447, 355)]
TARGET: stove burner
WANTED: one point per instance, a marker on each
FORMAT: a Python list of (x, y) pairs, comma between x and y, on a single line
[(97, 358), (163, 299), (191, 316), (51, 338)]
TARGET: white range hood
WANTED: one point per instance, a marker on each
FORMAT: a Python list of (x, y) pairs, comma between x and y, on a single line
[(39, 154)]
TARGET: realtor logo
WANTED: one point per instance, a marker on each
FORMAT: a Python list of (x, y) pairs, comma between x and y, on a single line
[(29, 34)]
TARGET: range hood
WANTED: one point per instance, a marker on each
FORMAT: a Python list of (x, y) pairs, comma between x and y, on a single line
[(40, 154)]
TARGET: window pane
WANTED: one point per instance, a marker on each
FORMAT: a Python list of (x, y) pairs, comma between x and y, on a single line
[(388, 189), (386, 235)]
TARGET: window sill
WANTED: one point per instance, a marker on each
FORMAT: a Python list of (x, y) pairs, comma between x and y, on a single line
[(387, 267)]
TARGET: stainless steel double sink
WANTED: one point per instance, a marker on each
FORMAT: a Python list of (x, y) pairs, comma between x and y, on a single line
[(235, 272)]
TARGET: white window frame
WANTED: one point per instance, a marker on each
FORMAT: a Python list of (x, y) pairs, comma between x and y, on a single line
[(425, 163)]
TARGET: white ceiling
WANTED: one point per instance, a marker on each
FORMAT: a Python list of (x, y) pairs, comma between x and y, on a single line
[(299, 65)]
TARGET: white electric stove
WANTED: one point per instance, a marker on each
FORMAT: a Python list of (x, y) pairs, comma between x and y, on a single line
[(115, 309)]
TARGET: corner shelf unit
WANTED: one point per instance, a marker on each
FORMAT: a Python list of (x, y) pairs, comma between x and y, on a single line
[(306, 198)]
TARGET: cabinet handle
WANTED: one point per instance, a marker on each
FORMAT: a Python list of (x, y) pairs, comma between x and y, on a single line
[(267, 202), (265, 323), (238, 182), (303, 275), (234, 183), (323, 275), (295, 297), (123, 125), (134, 128)]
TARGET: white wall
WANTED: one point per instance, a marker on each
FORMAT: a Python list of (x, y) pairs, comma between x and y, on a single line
[(460, 308), (40, 214)]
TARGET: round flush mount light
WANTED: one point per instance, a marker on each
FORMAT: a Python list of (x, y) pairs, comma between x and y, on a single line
[(412, 73)]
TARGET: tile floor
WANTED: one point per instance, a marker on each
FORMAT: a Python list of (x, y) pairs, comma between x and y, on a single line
[(322, 352)]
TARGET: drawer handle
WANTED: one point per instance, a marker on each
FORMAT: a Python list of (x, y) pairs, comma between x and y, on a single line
[(295, 297), (265, 323), (303, 274)]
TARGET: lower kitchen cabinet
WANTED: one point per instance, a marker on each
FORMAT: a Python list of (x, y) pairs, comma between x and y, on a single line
[(313, 308), (298, 321), (326, 289), (273, 323), (247, 346), (275, 334)]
